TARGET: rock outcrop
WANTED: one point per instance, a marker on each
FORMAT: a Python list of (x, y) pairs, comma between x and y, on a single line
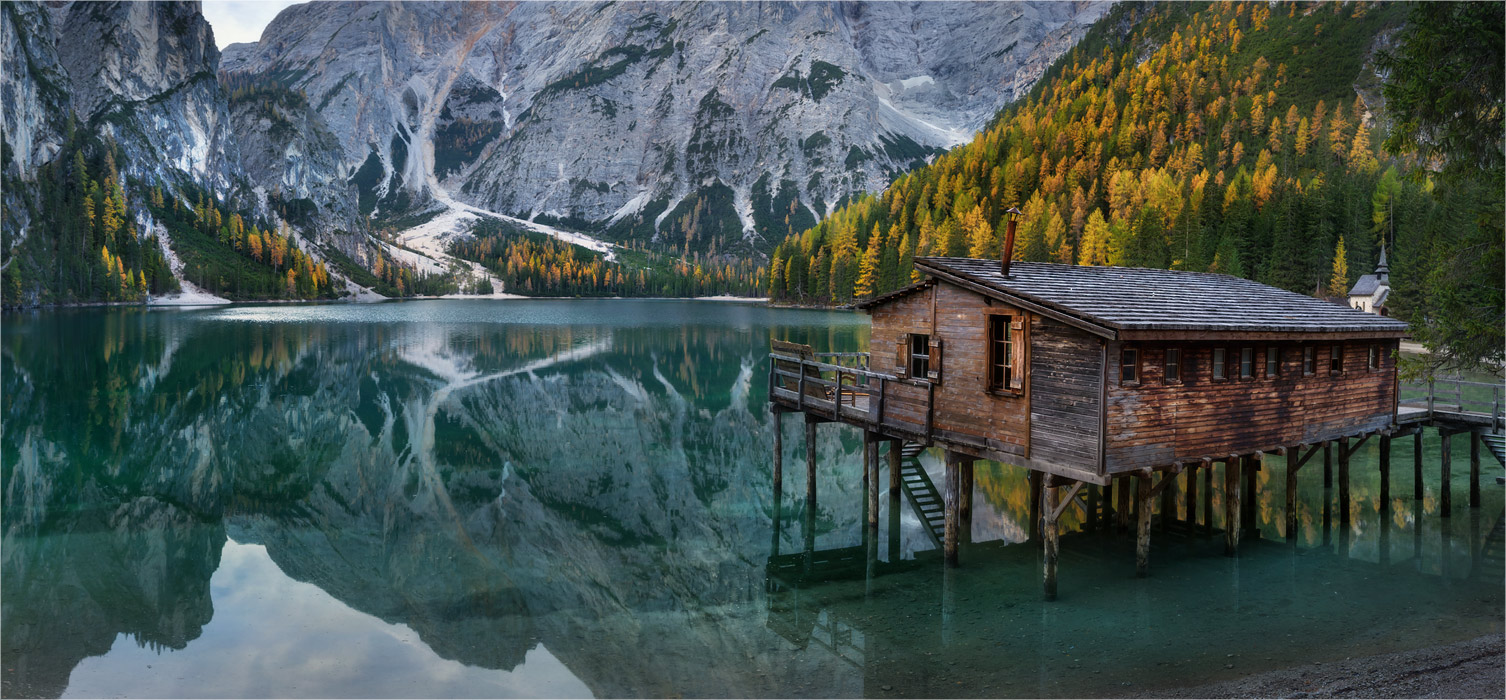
[(711, 126)]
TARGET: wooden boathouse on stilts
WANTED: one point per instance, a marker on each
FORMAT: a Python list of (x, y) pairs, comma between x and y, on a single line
[(1123, 378)]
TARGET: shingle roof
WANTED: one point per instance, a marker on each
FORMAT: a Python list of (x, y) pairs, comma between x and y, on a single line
[(1365, 286), (1131, 298)]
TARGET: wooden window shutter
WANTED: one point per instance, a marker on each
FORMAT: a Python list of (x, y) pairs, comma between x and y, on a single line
[(935, 363), (902, 360), (1020, 341)]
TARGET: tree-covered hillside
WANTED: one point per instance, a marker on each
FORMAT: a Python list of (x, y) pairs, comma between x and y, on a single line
[(1238, 138)]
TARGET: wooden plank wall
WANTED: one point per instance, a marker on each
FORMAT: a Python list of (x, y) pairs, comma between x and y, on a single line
[(1156, 423), (1066, 371), (963, 404)]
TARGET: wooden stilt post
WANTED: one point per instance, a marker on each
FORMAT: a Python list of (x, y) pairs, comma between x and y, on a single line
[(778, 453), (1192, 495), (872, 440), (1446, 494), (1168, 507), (1050, 535), (965, 500), (1231, 505), (953, 467), (1108, 505), (1248, 516), (810, 460), (1292, 456), (1344, 482), (896, 453), (1208, 496), (1123, 511), (1327, 464), (1385, 473), (1474, 469), (1033, 480), (1417, 464), (1142, 530)]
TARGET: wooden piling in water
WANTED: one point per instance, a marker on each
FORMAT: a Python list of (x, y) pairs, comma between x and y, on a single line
[(1385, 473), (1231, 505), (778, 453), (1208, 496), (1327, 464), (872, 467), (1192, 495), (1293, 456), (1417, 464), (1344, 482), (1474, 469), (1142, 530), (965, 500), (1050, 537), (810, 461), (896, 453), (1033, 480), (1445, 495), (1250, 472), (1122, 511), (949, 544)]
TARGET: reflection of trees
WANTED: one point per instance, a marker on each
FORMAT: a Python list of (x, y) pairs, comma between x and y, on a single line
[(490, 487)]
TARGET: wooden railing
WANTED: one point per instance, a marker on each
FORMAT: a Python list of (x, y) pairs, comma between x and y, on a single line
[(1453, 395), (852, 393)]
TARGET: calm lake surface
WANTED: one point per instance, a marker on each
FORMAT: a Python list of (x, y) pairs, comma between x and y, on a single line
[(573, 498)]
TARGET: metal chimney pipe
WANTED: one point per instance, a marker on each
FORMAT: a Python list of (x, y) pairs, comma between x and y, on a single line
[(1014, 213)]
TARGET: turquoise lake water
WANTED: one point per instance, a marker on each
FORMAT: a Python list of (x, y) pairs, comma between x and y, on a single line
[(573, 498)]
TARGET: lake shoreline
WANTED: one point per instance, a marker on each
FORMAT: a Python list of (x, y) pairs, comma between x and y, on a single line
[(1468, 669), (448, 297)]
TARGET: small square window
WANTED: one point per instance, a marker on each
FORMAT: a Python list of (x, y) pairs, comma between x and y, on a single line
[(1246, 363), (920, 355), (1129, 366), (1173, 365), (1309, 360), (1001, 353), (1220, 363), (1272, 361)]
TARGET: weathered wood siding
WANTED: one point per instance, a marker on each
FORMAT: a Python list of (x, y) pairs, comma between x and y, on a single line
[(1066, 376), (1156, 423), (1055, 419)]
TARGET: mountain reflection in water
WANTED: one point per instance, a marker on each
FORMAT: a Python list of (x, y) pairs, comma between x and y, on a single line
[(568, 498)]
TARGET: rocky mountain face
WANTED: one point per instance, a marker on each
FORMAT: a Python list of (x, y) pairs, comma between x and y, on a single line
[(715, 127), (139, 74)]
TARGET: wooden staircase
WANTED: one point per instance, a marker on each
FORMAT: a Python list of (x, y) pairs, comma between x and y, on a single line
[(922, 493), (1496, 444)]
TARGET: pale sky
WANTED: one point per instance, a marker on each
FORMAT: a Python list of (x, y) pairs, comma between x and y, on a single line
[(237, 21)]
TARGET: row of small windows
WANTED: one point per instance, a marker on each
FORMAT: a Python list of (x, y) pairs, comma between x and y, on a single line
[(1244, 364)]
